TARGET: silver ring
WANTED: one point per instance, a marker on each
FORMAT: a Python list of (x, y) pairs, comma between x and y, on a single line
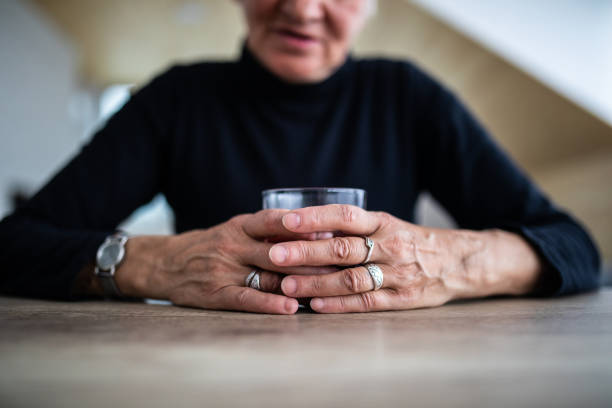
[(377, 275), (370, 244), (252, 280)]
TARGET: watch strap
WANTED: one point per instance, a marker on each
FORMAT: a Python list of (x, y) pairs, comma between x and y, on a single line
[(107, 280)]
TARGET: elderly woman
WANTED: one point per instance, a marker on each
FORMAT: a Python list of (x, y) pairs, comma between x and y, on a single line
[(294, 110)]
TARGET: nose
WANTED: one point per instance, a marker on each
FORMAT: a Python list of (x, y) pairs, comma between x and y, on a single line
[(303, 11)]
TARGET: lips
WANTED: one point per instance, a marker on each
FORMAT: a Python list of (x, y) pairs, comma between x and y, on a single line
[(296, 40), (296, 34)]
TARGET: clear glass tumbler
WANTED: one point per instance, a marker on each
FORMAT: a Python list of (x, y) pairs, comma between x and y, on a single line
[(292, 198)]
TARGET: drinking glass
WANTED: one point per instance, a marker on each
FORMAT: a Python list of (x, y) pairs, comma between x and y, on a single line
[(293, 198)]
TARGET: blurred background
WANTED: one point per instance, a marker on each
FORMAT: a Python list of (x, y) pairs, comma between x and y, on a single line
[(537, 73)]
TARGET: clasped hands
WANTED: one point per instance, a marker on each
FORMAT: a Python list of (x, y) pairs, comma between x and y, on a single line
[(316, 252)]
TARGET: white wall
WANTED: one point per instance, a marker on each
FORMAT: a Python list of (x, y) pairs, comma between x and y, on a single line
[(38, 87), (567, 44)]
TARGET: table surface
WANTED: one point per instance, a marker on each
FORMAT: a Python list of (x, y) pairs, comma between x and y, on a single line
[(494, 352)]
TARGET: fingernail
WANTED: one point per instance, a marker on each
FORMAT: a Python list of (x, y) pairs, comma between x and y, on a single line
[(316, 304), (292, 220), (289, 286), (291, 306), (278, 254)]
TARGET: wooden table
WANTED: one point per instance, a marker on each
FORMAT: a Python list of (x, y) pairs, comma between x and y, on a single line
[(495, 353)]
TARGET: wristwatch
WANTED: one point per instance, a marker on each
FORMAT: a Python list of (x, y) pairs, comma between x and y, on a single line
[(109, 256)]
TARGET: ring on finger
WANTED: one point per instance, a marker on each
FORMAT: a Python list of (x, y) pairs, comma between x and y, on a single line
[(370, 244), (252, 280), (376, 274)]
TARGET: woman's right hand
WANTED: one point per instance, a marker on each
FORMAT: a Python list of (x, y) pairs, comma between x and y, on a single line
[(207, 268)]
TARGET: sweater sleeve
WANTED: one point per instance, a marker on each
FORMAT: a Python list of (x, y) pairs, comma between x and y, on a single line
[(482, 188), (47, 241)]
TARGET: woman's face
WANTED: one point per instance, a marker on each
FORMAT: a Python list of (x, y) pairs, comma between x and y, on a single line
[(303, 40)]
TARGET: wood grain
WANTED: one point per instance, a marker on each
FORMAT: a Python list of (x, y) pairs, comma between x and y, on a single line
[(498, 352)]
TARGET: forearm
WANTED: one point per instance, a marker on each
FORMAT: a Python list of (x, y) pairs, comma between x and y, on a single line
[(495, 262), (40, 259), (135, 275)]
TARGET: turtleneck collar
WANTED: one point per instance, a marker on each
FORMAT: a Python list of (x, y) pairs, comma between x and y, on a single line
[(260, 79)]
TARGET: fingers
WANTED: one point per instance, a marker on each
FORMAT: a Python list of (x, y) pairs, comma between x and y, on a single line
[(251, 300), (312, 236), (265, 223), (345, 282), (335, 251), (257, 254), (268, 281), (268, 225), (225, 288), (349, 219), (271, 281), (377, 301)]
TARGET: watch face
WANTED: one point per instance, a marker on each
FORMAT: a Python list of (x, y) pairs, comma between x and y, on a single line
[(110, 255)]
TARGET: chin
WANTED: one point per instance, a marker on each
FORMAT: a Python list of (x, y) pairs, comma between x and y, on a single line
[(298, 71)]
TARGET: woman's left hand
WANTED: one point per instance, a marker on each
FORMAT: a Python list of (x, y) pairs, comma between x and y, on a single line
[(421, 266)]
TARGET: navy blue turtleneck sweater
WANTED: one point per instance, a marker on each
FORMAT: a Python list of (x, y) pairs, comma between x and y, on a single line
[(211, 136)]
